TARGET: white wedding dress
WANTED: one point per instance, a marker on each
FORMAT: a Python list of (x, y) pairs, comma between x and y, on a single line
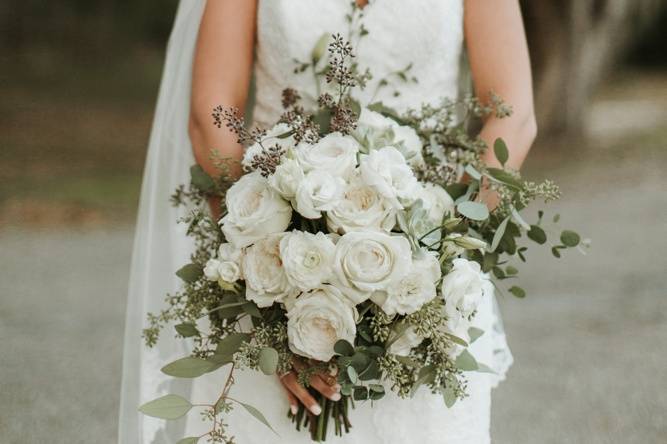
[(427, 34)]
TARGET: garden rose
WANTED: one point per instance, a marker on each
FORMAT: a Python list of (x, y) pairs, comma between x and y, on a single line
[(286, 179), (265, 278), (318, 191), (361, 207), (463, 289), (253, 210), (416, 288), (385, 170), (334, 153), (307, 259), (369, 261), (319, 319)]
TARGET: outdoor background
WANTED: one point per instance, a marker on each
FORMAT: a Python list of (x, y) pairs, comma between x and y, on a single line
[(78, 82)]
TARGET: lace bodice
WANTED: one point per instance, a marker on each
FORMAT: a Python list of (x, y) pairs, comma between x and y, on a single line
[(425, 35)]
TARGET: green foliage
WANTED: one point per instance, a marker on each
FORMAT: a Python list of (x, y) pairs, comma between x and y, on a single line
[(473, 210), (256, 414), (190, 273), (501, 151), (187, 329), (518, 292), (188, 367), (268, 360), (166, 407)]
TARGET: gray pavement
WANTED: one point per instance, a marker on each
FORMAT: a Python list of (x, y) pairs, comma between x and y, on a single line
[(589, 342)]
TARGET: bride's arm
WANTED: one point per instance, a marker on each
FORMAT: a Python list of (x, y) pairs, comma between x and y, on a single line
[(220, 76), (500, 63)]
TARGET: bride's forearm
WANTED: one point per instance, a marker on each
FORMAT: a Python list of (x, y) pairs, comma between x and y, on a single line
[(518, 132), (220, 76)]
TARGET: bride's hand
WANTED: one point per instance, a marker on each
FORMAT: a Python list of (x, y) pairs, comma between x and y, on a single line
[(324, 383), (214, 206)]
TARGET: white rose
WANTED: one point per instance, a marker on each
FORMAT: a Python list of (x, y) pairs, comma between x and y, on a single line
[(334, 153), (229, 271), (385, 170), (415, 289), (319, 319), (253, 211), (406, 342), (307, 259), (361, 208), (271, 139), (211, 270), (318, 191), (463, 289), (228, 252), (286, 179), (369, 261), (265, 278), (404, 137)]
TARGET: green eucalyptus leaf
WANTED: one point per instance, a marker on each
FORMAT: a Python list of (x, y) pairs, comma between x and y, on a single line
[(466, 362), (320, 47), (503, 177), (518, 292), (556, 252), (360, 393), (231, 343), (456, 339), (456, 190), (570, 238), (256, 414), (449, 395), (371, 372), (323, 120), (511, 271), (352, 374), (200, 179), (268, 360), (190, 273), (472, 172), (355, 107), (187, 329), (166, 407), (483, 368), (250, 308), (500, 232), (475, 333), (343, 348), (473, 210), (189, 367), (537, 234), (501, 151)]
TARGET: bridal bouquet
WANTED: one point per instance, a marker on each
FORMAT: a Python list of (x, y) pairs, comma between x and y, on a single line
[(354, 244)]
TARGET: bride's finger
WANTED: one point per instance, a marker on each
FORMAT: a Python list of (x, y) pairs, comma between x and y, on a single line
[(292, 384), (293, 401), (328, 390)]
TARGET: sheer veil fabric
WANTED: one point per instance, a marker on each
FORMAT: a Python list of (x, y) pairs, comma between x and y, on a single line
[(429, 35)]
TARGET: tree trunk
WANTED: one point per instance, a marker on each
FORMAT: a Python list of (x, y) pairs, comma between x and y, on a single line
[(573, 44)]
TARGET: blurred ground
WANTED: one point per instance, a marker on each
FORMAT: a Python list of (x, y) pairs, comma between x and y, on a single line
[(588, 342)]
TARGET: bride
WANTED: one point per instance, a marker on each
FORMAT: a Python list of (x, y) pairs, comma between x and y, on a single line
[(216, 48)]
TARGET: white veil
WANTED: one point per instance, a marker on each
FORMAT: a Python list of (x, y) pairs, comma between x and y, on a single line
[(160, 245)]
